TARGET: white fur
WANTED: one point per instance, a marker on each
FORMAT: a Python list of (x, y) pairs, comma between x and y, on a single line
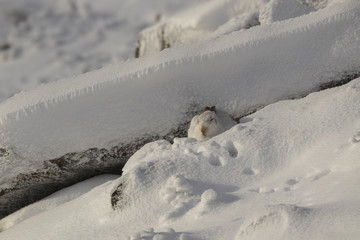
[(212, 123)]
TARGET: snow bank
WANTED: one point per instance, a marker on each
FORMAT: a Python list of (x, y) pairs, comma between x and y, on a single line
[(289, 171)]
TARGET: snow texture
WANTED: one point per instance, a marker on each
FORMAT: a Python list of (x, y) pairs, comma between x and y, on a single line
[(61, 197), (216, 18), (154, 94), (288, 171), (279, 10), (43, 41)]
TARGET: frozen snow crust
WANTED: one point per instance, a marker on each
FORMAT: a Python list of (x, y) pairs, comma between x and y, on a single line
[(288, 171)]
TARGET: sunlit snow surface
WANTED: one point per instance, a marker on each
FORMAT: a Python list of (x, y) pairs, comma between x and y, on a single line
[(42, 41), (289, 171), (238, 73)]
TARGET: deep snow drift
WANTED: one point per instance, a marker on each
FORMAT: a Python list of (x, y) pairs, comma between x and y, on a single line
[(289, 171)]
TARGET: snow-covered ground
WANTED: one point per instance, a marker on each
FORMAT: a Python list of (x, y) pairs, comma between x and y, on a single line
[(42, 41), (54, 200), (288, 171)]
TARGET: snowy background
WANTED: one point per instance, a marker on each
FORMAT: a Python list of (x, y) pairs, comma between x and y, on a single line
[(42, 41), (288, 171)]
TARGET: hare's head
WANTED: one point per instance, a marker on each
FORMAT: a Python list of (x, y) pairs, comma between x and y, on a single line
[(209, 122)]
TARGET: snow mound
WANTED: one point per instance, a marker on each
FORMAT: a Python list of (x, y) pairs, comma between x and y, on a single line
[(148, 150)]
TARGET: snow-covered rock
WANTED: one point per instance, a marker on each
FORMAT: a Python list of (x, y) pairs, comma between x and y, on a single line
[(193, 25), (279, 10), (213, 19), (30, 185)]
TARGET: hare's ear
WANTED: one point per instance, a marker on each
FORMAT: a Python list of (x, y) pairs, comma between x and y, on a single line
[(213, 109), (206, 109)]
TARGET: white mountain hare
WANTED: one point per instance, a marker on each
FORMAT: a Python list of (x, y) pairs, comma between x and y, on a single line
[(209, 124)]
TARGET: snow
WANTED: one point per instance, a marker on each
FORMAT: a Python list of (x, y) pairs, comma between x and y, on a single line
[(154, 94), (288, 171), (61, 197), (46, 49), (216, 18), (279, 10)]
